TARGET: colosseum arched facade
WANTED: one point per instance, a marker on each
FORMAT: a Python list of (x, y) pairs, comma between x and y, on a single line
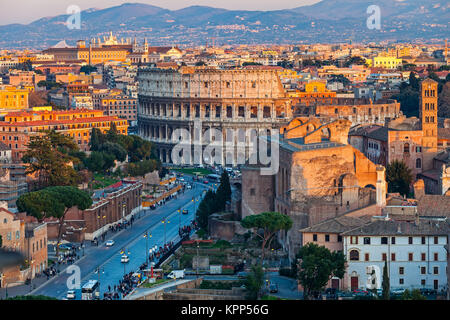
[(196, 97)]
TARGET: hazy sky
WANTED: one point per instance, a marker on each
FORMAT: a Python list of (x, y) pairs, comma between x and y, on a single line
[(26, 11)]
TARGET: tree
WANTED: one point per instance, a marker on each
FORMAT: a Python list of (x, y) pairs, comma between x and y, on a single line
[(413, 81), (53, 202), (48, 156), (99, 161), (112, 134), (270, 223), (398, 177), (254, 282), (206, 207), (136, 169), (114, 149), (386, 295), (88, 69), (97, 138), (316, 266), (224, 191), (413, 295)]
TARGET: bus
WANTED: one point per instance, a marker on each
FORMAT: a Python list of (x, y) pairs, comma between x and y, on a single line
[(90, 290)]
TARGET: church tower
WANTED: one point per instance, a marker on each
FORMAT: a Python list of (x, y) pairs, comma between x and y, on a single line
[(428, 117)]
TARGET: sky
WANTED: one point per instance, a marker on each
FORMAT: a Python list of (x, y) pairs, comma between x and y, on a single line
[(26, 11)]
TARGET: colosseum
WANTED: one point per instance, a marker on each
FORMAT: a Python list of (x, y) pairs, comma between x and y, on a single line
[(202, 98), (358, 111)]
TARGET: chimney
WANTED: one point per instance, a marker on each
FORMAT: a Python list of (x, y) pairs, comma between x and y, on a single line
[(381, 186), (419, 189)]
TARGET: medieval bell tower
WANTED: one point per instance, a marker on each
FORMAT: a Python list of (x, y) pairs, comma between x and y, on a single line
[(428, 117)]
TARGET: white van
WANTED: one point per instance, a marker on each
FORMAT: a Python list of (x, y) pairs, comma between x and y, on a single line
[(176, 274)]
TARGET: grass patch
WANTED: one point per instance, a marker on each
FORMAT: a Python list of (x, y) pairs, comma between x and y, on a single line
[(101, 181), (267, 297), (157, 282), (193, 171), (220, 285)]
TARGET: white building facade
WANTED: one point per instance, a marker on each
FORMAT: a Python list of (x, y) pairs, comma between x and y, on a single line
[(415, 259)]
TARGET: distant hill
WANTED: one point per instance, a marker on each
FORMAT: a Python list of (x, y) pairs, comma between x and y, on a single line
[(325, 21)]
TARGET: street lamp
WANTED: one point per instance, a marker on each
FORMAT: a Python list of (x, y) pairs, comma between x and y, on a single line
[(164, 222), (198, 246), (99, 270), (146, 236)]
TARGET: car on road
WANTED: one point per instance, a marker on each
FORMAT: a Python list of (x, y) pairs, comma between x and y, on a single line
[(71, 295), (124, 259), (273, 288), (185, 211), (242, 274), (398, 291), (181, 179), (66, 246), (109, 243), (205, 181), (188, 186)]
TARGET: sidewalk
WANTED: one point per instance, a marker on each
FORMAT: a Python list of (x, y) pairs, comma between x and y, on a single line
[(24, 289)]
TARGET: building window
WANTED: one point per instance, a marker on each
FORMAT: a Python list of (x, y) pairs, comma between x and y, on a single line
[(410, 256), (314, 237), (252, 191), (339, 238), (436, 256), (422, 282), (384, 257), (423, 256), (354, 255), (436, 240), (392, 256), (435, 270), (366, 240), (423, 270), (393, 240), (410, 240), (366, 257), (353, 240), (418, 163), (423, 240), (401, 281), (327, 238), (384, 240), (401, 270), (406, 148)]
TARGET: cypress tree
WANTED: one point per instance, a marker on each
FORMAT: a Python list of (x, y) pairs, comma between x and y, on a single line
[(385, 284)]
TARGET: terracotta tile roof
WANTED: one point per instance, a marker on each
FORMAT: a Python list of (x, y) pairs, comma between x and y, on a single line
[(58, 122), (444, 133), (431, 205), (401, 228), (338, 225)]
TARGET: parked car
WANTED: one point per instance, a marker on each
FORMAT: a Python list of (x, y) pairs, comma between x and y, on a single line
[(331, 293), (71, 295), (273, 288), (185, 211), (205, 181), (359, 292), (398, 291), (124, 259), (109, 243)]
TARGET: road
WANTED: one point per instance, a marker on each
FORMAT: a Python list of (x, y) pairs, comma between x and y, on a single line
[(107, 259)]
